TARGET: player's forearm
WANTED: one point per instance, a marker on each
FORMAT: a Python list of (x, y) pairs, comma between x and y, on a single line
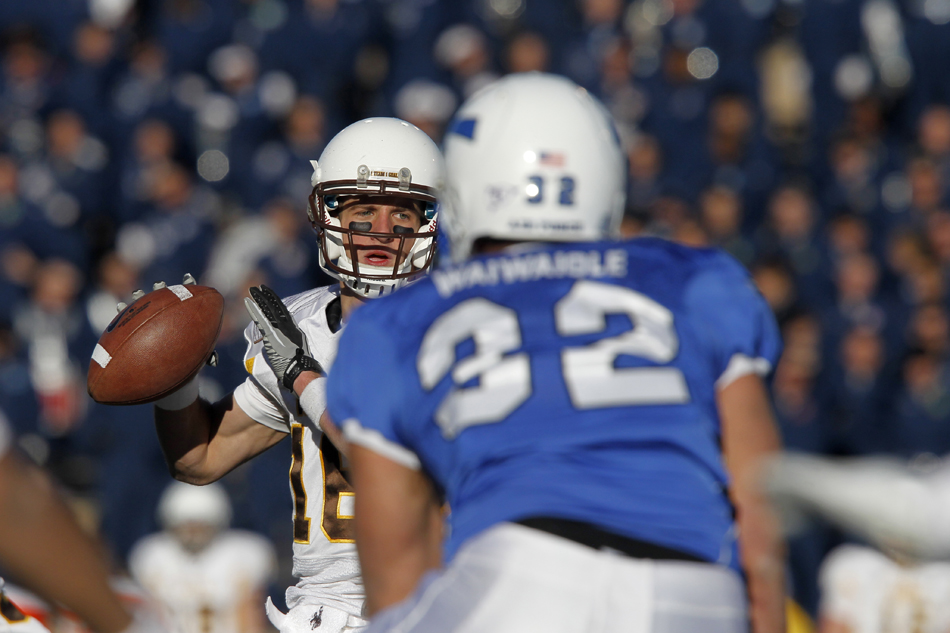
[(398, 528), (43, 548), (392, 568), (749, 438), (763, 557), (203, 442), (184, 436)]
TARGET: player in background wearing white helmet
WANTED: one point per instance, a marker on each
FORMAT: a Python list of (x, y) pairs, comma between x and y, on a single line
[(43, 548), (374, 209), (593, 412), (209, 578)]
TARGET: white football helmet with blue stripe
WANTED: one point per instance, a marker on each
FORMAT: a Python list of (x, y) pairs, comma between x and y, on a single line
[(533, 157)]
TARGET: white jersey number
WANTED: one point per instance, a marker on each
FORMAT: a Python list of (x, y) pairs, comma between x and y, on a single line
[(504, 382), (589, 371)]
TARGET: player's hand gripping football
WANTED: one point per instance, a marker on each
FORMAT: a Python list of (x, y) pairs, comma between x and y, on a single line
[(188, 280), (284, 343)]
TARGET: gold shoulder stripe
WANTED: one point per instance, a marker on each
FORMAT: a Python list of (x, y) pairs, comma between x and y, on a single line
[(249, 365)]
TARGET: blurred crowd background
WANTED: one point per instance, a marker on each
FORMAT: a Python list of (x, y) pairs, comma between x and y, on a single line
[(143, 139)]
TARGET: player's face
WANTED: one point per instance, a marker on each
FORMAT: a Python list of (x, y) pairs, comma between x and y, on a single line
[(380, 214), (195, 536)]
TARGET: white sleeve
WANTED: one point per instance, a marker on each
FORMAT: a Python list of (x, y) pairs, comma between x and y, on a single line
[(261, 405), (313, 400)]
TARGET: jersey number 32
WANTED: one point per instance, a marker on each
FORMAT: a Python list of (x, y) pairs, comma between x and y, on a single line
[(592, 379)]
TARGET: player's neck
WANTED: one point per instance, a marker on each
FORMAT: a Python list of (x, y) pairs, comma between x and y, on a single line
[(349, 301)]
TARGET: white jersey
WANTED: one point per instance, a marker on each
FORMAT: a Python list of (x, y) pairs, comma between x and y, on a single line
[(325, 558), (207, 592), (871, 593), (15, 617)]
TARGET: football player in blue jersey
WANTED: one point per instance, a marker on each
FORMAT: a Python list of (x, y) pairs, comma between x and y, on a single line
[(593, 412)]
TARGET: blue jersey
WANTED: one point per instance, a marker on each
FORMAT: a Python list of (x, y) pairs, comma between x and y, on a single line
[(573, 381)]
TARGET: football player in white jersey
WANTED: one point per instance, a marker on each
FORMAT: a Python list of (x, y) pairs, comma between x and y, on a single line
[(374, 209), (209, 578)]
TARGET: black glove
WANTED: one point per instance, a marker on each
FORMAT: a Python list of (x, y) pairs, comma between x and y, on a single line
[(284, 343)]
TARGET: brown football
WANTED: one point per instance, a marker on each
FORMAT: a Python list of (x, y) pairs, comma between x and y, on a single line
[(155, 345)]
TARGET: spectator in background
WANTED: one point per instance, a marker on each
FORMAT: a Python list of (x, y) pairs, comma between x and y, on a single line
[(25, 87), (153, 144), (933, 137), (854, 183), (791, 232), (922, 412), (938, 238), (71, 182), (645, 164), (721, 213), (86, 83), (622, 95), (281, 167), (21, 223), (245, 112), (209, 578), (797, 406), (427, 105), (59, 340), (858, 301), (929, 330), (738, 156), (527, 51), (927, 189), (175, 235), (859, 394), (848, 234), (773, 277), (190, 29), (146, 88), (463, 51), (594, 34)]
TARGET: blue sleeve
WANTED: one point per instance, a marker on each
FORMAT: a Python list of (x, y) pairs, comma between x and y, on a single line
[(364, 390), (737, 322)]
